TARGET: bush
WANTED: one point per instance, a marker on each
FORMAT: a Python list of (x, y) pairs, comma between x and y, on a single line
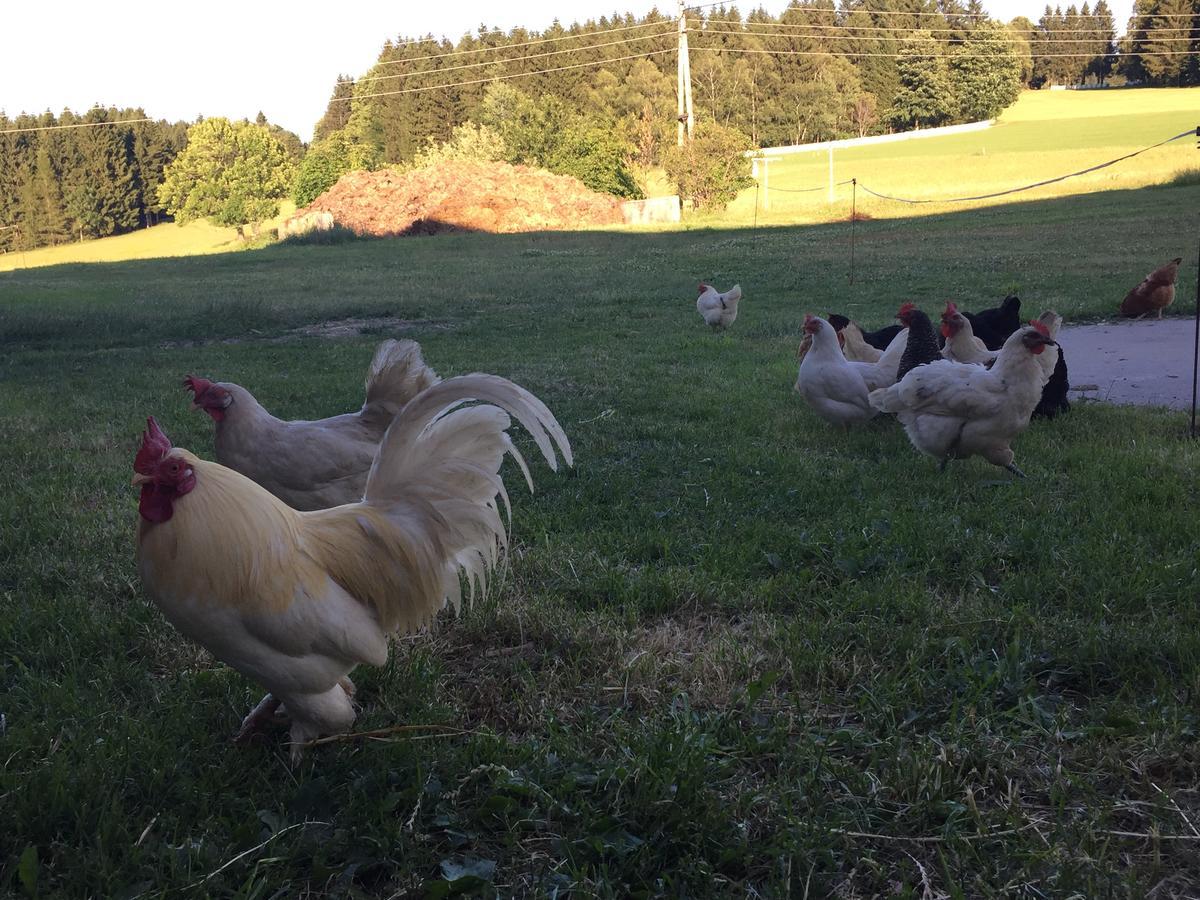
[(710, 169), (338, 234), (325, 162), (597, 157), (544, 132), (477, 143)]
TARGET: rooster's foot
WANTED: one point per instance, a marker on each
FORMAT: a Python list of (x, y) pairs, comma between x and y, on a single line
[(1012, 468), (258, 720)]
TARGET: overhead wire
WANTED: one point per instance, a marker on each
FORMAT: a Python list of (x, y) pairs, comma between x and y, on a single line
[(900, 12), (436, 87), (569, 36), (503, 60), (75, 125)]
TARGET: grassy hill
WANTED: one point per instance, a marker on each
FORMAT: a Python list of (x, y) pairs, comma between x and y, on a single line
[(737, 652), (1043, 135), (166, 240)]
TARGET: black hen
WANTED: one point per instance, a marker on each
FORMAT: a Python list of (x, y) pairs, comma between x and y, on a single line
[(994, 326), (1054, 394), (922, 346), (877, 339)]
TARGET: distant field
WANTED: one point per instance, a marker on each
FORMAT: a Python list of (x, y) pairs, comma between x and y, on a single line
[(165, 240), (1043, 135)]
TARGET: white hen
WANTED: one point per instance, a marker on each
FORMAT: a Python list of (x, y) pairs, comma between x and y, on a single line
[(829, 383), (718, 310), (961, 344), (952, 411)]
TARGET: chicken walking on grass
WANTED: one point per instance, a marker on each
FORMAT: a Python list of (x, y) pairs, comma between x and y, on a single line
[(718, 310), (296, 600), (952, 411), (318, 464), (832, 385)]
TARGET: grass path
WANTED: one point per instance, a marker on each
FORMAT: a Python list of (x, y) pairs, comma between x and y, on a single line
[(736, 651)]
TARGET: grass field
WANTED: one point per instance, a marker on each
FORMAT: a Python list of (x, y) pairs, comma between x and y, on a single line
[(1043, 135), (166, 240), (737, 653)]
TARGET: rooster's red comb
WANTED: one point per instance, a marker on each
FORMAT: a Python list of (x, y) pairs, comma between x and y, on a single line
[(196, 385), (155, 445), (703, 287), (1041, 328), (951, 308), (906, 309)]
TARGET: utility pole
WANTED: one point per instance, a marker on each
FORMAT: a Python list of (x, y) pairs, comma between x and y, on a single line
[(681, 117), (684, 83)]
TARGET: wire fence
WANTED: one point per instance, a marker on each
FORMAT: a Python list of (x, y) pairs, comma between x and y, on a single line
[(1014, 190)]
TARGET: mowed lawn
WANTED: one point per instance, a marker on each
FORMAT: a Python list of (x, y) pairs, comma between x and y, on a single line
[(1045, 134), (736, 652)]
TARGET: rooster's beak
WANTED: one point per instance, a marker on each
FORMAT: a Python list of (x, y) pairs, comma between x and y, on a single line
[(139, 479)]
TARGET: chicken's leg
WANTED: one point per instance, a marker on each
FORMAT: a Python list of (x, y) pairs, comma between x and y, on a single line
[(258, 719), (1012, 468)]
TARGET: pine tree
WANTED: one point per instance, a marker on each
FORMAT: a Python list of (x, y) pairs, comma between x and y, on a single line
[(926, 96)]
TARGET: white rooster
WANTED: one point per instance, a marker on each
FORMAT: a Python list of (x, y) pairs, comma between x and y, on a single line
[(952, 411), (295, 600), (718, 310)]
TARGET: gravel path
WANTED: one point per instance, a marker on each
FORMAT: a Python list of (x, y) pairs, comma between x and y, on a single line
[(1146, 362)]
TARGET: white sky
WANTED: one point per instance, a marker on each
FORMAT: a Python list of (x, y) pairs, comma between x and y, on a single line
[(224, 58)]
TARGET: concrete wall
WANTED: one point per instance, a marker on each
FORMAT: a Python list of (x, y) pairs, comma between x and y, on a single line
[(652, 211)]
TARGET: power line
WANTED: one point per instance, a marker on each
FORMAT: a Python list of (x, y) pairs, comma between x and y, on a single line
[(947, 17), (858, 55), (495, 47), (893, 30), (501, 61), (77, 125), (437, 87), (997, 42)]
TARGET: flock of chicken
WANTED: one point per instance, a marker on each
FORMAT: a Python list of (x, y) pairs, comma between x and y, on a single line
[(968, 391), (297, 553)]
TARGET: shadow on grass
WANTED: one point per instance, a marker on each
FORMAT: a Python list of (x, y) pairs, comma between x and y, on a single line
[(1079, 254)]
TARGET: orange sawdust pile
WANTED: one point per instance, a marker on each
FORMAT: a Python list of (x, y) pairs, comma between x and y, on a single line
[(463, 196)]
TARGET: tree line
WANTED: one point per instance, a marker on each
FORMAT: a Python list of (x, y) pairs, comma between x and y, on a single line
[(595, 99), (71, 177), (67, 183)]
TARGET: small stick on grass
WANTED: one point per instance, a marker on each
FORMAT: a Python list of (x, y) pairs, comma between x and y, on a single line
[(382, 733)]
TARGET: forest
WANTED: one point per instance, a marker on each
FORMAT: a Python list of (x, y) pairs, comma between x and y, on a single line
[(607, 87)]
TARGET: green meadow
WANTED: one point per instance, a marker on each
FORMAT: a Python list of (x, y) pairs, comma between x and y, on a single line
[(734, 653)]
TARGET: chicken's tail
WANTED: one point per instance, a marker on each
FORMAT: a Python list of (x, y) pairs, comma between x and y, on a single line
[(431, 513), (886, 399), (397, 374)]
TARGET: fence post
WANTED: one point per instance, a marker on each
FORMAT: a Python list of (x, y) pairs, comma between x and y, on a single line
[(831, 176), (853, 220)]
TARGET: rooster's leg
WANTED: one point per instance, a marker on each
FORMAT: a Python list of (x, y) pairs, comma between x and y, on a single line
[(1012, 468), (942, 464), (258, 719)]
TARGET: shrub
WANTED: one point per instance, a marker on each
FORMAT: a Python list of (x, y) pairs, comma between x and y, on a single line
[(478, 143), (710, 169), (597, 157), (325, 162)]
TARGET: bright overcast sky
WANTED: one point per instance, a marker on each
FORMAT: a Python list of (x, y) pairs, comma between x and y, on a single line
[(224, 58)]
